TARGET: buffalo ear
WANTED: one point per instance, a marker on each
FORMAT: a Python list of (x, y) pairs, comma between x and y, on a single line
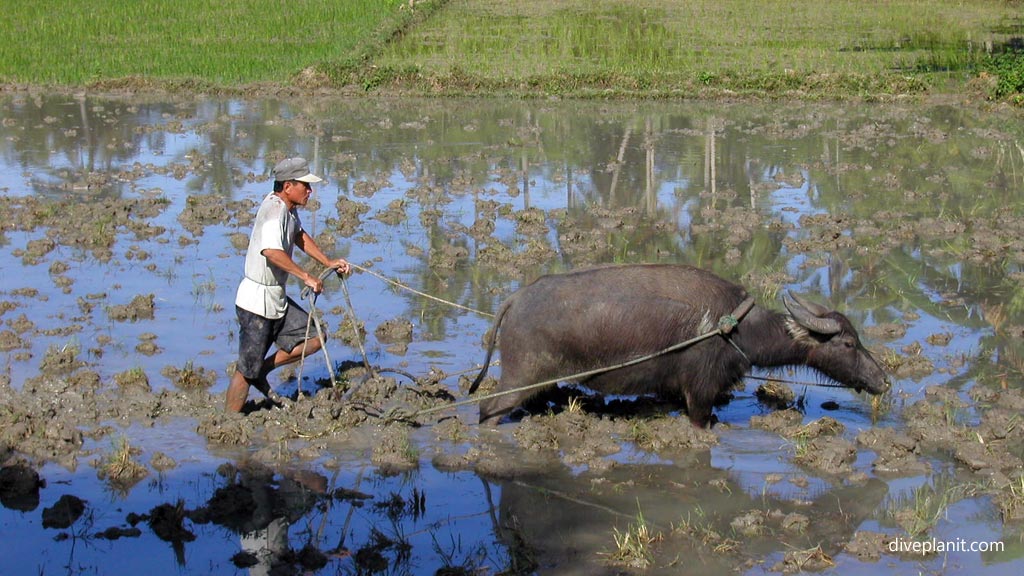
[(810, 315)]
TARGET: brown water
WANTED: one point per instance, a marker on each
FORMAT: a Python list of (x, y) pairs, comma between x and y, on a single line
[(904, 217)]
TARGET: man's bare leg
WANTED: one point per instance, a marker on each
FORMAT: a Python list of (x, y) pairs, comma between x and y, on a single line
[(281, 358), (238, 388), (238, 392)]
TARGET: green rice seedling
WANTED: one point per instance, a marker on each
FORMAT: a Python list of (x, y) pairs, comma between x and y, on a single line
[(633, 546), (801, 445), (204, 290), (918, 512)]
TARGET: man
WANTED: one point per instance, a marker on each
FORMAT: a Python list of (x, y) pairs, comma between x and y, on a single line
[(266, 314)]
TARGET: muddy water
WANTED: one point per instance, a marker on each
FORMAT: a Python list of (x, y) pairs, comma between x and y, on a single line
[(124, 227)]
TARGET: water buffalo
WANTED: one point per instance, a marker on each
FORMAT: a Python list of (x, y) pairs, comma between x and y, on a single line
[(565, 324)]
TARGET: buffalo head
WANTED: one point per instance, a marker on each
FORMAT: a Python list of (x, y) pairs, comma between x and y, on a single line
[(834, 349)]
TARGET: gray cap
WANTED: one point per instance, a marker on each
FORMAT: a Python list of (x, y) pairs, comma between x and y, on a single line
[(295, 169)]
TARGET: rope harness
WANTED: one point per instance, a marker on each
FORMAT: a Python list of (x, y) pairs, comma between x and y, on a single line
[(726, 324)]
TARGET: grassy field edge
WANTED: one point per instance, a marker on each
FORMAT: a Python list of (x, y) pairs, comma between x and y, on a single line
[(541, 49)]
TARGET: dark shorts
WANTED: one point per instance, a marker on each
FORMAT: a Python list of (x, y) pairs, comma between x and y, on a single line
[(257, 333)]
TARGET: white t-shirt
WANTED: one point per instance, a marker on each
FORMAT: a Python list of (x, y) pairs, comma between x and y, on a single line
[(261, 291)]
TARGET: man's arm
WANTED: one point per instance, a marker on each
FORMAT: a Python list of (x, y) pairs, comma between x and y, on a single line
[(280, 259), (306, 243)]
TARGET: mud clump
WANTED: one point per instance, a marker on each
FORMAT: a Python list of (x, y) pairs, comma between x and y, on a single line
[(233, 429), (751, 523), (448, 256), (190, 377), (397, 333), (9, 340), (938, 421), (133, 380), (912, 364), (351, 331), (58, 361), (393, 214), (868, 546), (811, 560), (349, 213), (775, 394), (40, 432), (239, 240), (886, 331), (817, 444), (394, 451), (666, 434), (35, 250), (989, 449), (201, 211), (581, 439), (91, 225), (829, 455), (140, 308), (779, 421), (162, 462), (898, 453)]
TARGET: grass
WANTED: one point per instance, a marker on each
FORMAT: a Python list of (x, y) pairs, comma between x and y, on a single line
[(226, 42), (1011, 500), (120, 468), (575, 405), (133, 377), (204, 290), (921, 510), (661, 46), (190, 377), (703, 530), (645, 48), (633, 546)]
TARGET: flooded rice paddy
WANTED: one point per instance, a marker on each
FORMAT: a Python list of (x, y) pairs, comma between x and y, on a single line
[(124, 224)]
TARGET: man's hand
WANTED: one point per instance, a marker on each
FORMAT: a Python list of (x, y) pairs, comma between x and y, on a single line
[(341, 265), (313, 283)]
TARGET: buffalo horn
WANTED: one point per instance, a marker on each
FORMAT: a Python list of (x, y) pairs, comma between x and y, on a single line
[(808, 314)]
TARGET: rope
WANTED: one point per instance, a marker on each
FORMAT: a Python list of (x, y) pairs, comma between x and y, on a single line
[(313, 317), (311, 298), (414, 291), (794, 382), (302, 359), (355, 329)]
